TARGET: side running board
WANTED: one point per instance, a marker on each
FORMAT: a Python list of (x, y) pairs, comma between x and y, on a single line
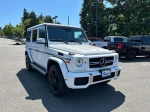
[(38, 68)]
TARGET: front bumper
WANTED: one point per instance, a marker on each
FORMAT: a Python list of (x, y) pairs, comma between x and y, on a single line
[(85, 79)]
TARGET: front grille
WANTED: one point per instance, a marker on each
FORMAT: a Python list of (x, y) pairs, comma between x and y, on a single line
[(100, 62)]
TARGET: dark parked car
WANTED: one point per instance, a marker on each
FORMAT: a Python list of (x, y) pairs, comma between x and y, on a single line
[(136, 45)]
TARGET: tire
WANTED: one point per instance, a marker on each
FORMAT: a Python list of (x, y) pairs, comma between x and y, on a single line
[(131, 55), (28, 63), (57, 84)]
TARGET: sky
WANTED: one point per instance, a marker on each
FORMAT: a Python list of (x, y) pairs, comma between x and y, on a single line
[(11, 11)]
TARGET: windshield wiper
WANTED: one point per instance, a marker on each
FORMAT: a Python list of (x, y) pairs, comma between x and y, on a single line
[(73, 41), (59, 40)]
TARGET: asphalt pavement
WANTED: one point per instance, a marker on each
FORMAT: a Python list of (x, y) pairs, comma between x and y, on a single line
[(24, 91)]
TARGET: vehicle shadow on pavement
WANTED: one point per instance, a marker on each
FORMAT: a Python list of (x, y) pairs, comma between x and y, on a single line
[(137, 59), (96, 98)]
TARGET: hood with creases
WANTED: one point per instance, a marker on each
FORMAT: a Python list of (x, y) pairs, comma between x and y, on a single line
[(81, 49)]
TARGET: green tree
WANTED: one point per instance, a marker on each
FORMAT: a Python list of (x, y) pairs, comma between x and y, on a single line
[(1, 32), (27, 24), (41, 21), (48, 19), (9, 30), (25, 15), (131, 16), (120, 17), (58, 22), (19, 31), (34, 19), (88, 18), (40, 16)]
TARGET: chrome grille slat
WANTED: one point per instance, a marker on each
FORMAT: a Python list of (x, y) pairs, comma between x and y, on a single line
[(95, 62)]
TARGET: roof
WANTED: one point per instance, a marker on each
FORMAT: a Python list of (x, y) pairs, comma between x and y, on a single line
[(52, 24)]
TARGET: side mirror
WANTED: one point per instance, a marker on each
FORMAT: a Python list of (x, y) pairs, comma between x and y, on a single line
[(41, 41)]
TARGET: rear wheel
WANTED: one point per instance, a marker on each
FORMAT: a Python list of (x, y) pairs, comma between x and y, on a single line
[(57, 84), (131, 55), (28, 63)]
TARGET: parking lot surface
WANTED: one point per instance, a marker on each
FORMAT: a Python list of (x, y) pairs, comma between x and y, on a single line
[(24, 91)]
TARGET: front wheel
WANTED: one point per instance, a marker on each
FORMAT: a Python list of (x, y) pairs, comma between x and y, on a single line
[(57, 84)]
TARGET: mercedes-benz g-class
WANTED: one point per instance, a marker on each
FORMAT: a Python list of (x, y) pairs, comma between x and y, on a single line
[(65, 55)]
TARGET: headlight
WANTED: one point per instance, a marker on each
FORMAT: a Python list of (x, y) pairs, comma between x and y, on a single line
[(79, 62)]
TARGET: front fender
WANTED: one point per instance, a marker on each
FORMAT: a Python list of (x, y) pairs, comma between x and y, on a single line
[(62, 66)]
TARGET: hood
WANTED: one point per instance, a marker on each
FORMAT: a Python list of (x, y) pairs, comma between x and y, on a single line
[(81, 49)]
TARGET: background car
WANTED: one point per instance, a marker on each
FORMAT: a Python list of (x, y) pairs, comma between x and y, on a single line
[(116, 39), (97, 42), (132, 47)]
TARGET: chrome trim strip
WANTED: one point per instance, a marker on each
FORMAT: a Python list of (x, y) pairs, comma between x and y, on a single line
[(34, 66)]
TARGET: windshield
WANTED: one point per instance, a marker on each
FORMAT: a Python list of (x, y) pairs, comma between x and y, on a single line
[(66, 34), (120, 39)]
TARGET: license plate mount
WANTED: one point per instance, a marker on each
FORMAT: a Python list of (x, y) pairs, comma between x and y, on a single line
[(106, 73)]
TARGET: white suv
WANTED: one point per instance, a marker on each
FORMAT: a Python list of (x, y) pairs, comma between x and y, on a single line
[(64, 54)]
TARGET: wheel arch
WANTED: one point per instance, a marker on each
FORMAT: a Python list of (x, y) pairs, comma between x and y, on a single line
[(60, 63), (27, 52)]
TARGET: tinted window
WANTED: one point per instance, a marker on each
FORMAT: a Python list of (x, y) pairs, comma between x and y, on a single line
[(66, 34), (42, 32), (117, 39), (146, 40), (107, 39), (135, 39), (120, 39), (34, 35), (28, 36)]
